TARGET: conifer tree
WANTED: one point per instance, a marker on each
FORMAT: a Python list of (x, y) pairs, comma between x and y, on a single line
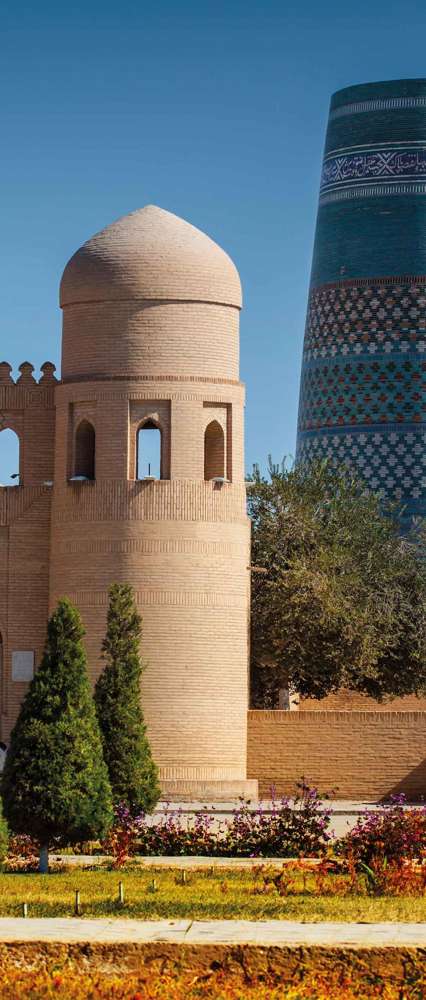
[(4, 837), (132, 771), (55, 782)]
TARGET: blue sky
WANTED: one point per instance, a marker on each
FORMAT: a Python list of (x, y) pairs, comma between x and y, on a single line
[(215, 111)]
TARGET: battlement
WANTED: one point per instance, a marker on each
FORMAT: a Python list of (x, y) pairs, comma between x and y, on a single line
[(26, 377), (27, 407)]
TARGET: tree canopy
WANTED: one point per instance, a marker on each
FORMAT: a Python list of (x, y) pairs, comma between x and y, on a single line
[(132, 771), (55, 782), (339, 595)]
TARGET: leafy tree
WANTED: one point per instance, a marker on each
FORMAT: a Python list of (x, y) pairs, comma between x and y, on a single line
[(55, 782), (132, 771), (341, 599)]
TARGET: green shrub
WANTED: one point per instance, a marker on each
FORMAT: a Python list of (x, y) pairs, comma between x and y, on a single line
[(132, 771), (4, 836), (55, 782)]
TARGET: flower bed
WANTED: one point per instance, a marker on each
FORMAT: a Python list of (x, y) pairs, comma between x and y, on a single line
[(290, 828), (391, 836)]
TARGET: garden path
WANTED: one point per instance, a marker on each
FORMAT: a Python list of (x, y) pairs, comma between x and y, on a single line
[(215, 932)]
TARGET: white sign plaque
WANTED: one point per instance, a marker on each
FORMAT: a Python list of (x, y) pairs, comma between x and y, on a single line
[(23, 665)]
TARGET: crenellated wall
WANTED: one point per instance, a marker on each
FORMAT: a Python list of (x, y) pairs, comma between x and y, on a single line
[(27, 407)]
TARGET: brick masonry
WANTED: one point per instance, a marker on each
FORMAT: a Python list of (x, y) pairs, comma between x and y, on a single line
[(150, 333), (361, 755)]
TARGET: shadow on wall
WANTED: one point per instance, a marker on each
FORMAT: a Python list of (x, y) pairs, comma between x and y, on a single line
[(413, 785)]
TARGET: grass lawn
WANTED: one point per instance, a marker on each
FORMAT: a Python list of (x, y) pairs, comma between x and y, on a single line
[(218, 895)]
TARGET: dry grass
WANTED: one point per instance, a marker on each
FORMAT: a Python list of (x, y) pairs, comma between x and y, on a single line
[(72, 984), (152, 894)]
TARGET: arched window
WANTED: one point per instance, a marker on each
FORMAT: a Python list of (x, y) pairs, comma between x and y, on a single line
[(214, 451), (148, 451), (85, 441), (9, 458)]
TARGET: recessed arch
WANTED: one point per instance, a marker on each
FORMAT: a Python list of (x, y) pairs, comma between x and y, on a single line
[(214, 450), (148, 450), (85, 450), (10, 460)]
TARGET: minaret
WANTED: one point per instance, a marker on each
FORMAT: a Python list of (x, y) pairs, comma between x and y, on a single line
[(362, 398), (151, 341)]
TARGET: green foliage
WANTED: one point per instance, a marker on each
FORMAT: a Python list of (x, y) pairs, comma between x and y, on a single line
[(342, 601), (132, 771), (55, 782), (4, 836)]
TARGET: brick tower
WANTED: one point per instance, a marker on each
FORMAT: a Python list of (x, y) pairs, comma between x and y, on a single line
[(362, 398), (151, 340)]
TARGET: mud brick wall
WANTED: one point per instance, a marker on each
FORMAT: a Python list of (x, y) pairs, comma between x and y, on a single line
[(362, 755)]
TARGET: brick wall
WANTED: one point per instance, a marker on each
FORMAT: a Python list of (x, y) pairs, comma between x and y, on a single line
[(352, 701), (363, 755)]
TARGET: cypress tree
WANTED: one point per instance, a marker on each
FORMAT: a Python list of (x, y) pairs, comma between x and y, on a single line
[(132, 771), (55, 782), (4, 836)]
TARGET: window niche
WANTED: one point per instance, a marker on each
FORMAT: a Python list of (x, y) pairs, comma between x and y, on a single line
[(10, 459), (149, 451), (214, 451), (85, 450)]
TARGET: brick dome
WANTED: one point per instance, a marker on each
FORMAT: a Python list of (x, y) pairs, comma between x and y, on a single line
[(150, 255)]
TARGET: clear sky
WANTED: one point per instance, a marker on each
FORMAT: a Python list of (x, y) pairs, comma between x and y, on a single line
[(213, 110)]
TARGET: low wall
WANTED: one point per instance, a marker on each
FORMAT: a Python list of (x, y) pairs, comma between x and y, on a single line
[(359, 755), (394, 967)]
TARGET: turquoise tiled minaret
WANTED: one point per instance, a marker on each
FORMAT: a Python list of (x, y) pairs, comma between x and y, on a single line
[(363, 392)]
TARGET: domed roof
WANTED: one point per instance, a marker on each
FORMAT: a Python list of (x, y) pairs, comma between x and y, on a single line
[(150, 254)]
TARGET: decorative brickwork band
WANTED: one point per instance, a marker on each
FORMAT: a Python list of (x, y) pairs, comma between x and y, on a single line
[(163, 500), (152, 546), (161, 598)]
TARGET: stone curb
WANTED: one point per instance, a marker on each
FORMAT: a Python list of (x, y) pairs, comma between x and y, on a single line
[(261, 933), (179, 861)]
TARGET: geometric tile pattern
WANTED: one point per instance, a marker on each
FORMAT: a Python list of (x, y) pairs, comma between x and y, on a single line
[(391, 461), (363, 385), (367, 317), (362, 390)]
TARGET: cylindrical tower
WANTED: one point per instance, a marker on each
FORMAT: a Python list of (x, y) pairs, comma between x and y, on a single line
[(363, 397), (151, 340)]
